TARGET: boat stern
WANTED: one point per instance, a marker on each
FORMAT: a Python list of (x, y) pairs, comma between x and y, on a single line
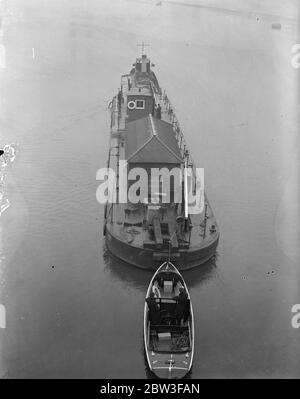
[(170, 365)]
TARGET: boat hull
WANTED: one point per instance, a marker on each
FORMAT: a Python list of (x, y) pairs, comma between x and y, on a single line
[(151, 259), (159, 362)]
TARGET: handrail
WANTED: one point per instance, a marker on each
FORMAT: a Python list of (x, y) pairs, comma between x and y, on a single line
[(177, 129)]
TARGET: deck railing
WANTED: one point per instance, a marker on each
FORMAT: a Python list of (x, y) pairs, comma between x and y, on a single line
[(178, 133)]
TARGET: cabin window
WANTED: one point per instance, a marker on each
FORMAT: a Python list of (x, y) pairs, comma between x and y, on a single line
[(140, 104)]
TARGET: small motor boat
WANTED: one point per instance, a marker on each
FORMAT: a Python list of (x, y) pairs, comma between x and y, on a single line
[(168, 324)]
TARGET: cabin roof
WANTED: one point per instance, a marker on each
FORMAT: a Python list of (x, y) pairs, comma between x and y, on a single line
[(139, 91), (151, 140)]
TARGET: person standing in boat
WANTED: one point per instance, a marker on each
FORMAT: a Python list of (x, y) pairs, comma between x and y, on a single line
[(120, 98), (158, 112), (153, 309), (182, 303)]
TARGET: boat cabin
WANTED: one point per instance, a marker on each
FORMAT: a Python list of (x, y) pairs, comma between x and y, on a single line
[(151, 148), (150, 144), (142, 64), (140, 103)]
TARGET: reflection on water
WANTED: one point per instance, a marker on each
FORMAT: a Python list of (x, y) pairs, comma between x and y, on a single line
[(140, 279), (126, 274)]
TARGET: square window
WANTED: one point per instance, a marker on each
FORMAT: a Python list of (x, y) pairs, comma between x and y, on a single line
[(140, 104)]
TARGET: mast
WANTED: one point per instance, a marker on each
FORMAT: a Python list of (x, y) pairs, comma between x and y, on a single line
[(143, 45)]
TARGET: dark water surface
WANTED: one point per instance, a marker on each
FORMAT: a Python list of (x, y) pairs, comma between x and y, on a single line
[(72, 311)]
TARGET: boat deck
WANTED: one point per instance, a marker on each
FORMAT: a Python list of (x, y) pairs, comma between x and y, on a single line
[(128, 223)]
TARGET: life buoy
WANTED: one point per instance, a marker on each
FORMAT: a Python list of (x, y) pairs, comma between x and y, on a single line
[(131, 105)]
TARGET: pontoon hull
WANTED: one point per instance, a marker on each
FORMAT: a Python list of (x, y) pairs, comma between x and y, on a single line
[(150, 259)]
